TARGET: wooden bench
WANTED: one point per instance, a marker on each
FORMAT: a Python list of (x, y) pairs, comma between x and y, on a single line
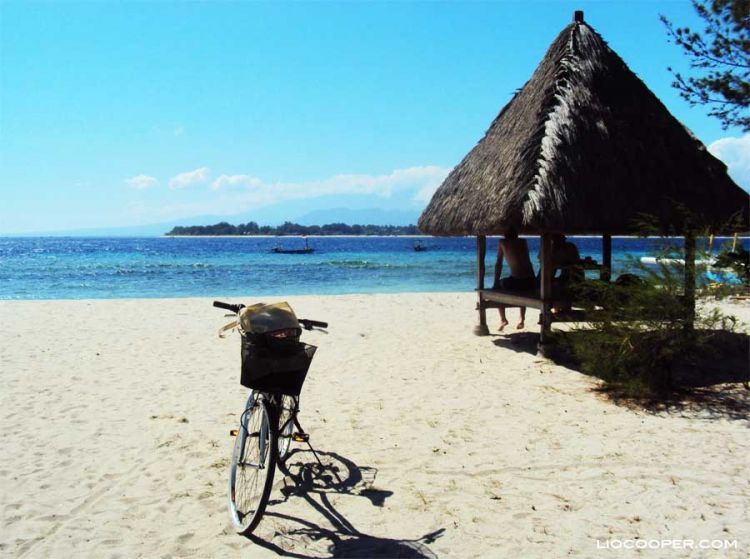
[(495, 298), (545, 299)]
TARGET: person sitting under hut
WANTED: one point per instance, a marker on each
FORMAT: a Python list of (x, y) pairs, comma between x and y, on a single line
[(566, 259), (516, 252)]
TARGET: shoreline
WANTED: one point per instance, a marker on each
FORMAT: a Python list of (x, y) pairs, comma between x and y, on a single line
[(165, 236), (259, 295), (229, 298), (235, 298)]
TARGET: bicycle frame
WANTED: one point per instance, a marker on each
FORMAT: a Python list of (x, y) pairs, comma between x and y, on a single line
[(277, 401)]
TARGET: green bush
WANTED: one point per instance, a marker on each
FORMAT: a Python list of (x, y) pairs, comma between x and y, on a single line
[(644, 327)]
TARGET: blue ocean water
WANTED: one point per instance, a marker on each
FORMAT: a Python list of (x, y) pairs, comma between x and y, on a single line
[(105, 268)]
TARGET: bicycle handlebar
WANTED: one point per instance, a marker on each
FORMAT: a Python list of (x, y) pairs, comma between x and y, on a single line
[(306, 323), (310, 324), (228, 306)]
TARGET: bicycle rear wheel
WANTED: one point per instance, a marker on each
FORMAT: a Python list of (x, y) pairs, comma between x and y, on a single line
[(252, 466)]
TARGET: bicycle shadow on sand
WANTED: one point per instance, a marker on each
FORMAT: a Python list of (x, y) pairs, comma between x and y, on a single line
[(314, 477)]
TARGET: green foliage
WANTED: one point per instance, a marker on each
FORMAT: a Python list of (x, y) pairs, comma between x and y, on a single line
[(722, 55), (645, 326), (721, 58), (288, 228)]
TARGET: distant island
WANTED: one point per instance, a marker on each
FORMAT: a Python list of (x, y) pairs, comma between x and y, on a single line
[(289, 229)]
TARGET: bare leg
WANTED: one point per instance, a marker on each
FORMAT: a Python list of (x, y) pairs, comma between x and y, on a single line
[(521, 323), (503, 318)]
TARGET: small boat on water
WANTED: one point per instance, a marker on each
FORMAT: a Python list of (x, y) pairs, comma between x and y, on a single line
[(712, 271), (419, 247), (278, 250), (709, 262), (657, 260), (307, 249)]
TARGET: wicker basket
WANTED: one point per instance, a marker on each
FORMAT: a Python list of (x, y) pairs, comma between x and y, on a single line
[(272, 371)]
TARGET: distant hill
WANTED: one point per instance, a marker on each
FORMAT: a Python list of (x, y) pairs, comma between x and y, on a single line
[(288, 228), (274, 216), (367, 215)]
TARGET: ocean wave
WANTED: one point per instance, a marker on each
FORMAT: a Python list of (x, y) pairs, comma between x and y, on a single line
[(374, 265), (141, 267)]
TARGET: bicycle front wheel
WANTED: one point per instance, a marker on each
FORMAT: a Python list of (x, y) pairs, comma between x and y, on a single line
[(287, 413), (252, 467)]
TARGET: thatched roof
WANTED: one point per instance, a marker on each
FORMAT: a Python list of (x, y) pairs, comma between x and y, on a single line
[(583, 147)]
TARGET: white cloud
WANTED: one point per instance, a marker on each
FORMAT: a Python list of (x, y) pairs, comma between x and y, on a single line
[(421, 180), (235, 180), (190, 178), (431, 181), (735, 153), (142, 181), (233, 194)]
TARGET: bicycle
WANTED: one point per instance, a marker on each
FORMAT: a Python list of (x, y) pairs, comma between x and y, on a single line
[(274, 366)]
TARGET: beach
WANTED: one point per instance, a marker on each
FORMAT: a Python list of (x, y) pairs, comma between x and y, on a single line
[(115, 434)]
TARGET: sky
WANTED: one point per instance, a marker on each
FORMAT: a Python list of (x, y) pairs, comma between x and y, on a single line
[(132, 113)]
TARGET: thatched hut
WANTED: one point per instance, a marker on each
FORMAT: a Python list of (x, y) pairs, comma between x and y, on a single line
[(583, 147)]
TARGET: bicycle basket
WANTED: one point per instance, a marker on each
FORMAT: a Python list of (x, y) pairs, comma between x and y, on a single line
[(272, 371)]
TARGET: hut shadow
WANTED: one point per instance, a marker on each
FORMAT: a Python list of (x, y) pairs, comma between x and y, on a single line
[(528, 342), (717, 386), (729, 362), (520, 342), (722, 402), (314, 477)]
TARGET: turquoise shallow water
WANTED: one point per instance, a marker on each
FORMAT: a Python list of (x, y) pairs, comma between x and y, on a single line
[(104, 268)]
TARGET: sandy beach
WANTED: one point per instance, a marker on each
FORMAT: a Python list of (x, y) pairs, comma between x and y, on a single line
[(116, 414)]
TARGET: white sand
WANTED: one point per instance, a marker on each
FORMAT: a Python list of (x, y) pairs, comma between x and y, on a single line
[(115, 423)]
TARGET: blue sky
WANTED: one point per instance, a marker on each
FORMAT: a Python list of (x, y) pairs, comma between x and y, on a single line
[(115, 114)]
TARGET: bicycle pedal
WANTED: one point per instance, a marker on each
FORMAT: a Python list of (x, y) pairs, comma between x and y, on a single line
[(300, 437), (233, 432)]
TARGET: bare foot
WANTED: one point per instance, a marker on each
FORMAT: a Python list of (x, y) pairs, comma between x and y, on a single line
[(503, 324), (520, 325)]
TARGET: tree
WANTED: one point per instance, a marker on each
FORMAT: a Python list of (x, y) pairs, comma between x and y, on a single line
[(720, 57)]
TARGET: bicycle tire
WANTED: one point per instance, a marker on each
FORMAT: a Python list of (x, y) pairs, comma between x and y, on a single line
[(252, 466)]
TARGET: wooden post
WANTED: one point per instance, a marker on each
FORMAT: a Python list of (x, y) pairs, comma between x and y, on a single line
[(689, 281), (481, 328), (606, 272), (546, 290)]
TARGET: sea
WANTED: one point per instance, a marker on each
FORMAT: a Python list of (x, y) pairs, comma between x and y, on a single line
[(227, 267)]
